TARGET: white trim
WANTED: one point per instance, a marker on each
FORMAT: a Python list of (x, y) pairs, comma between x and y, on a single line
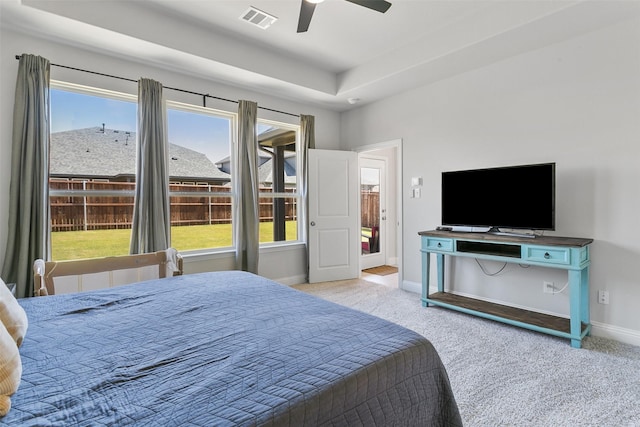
[(93, 91), (379, 145), (284, 246), (191, 108), (207, 254), (415, 287), (397, 144), (292, 280), (624, 335), (229, 251)]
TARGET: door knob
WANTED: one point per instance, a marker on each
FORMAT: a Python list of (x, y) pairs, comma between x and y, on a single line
[(312, 223)]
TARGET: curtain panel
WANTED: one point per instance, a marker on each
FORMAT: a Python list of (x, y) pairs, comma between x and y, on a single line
[(247, 231), (308, 140), (151, 228), (29, 237)]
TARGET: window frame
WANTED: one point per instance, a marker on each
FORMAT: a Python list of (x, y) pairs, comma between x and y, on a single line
[(91, 91), (297, 194), (233, 117)]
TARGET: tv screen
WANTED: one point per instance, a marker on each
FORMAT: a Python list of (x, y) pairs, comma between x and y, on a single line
[(519, 197)]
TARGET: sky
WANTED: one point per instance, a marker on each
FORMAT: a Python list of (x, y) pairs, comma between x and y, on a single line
[(203, 133)]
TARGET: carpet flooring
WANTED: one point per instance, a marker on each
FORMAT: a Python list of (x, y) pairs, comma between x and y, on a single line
[(507, 376)]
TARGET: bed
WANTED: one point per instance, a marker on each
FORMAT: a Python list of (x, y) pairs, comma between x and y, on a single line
[(222, 349)]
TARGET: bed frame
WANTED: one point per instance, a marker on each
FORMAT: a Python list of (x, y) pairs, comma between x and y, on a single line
[(58, 277)]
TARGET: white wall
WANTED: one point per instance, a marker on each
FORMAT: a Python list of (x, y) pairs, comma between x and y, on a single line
[(576, 103), (282, 264)]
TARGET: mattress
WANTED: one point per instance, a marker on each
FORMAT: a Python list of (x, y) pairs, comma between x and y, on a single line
[(222, 349)]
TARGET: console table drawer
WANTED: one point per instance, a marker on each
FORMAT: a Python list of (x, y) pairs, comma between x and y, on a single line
[(548, 255), (436, 244)]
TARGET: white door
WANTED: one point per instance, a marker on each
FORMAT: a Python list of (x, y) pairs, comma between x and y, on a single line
[(334, 236), (373, 212)]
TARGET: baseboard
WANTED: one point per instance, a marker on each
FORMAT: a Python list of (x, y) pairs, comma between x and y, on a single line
[(627, 336), (415, 287), (292, 280), (623, 335)]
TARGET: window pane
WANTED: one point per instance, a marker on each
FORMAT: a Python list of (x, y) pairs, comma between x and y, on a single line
[(277, 173), (201, 222), (290, 220), (196, 134), (92, 174), (200, 174)]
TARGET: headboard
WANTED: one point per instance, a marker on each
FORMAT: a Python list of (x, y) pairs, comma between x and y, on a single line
[(59, 277)]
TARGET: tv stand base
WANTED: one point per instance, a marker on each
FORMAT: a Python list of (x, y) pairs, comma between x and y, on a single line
[(570, 254)]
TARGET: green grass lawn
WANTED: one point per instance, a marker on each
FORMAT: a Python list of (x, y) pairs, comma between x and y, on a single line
[(99, 243)]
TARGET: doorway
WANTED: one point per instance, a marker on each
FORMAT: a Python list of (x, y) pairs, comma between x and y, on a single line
[(373, 211), (385, 160)]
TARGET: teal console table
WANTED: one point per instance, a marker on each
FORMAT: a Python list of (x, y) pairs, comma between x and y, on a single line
[(567, 253)]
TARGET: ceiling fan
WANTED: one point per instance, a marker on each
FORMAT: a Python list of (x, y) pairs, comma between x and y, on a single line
[(308, 6)]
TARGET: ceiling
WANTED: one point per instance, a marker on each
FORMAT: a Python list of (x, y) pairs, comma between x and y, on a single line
[(348, 53)]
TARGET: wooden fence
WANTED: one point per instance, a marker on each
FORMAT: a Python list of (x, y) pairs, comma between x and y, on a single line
[(72, 213), (369, 209)]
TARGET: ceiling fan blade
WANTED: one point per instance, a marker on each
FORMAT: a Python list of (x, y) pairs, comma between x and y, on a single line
[(377, 5), (306, 12)]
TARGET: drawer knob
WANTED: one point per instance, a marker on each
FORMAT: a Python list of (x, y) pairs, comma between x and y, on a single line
[(546, 255), (439, 244)]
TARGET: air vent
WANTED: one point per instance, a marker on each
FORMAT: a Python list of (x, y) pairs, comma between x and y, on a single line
[(258, 18)]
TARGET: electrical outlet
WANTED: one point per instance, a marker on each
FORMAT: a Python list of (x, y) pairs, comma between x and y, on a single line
[(603, 297), (548, 288)]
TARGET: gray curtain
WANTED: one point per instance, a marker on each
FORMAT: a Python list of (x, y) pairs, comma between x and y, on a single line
[(308, 141), (151, 227), (247, 232), (28, 226)]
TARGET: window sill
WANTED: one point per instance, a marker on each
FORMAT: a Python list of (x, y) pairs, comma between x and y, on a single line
[(208, 254)]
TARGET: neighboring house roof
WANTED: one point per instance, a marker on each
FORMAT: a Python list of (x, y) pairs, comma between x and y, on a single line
[(265, 169), (265, 172), (268, 139), (112, 153)]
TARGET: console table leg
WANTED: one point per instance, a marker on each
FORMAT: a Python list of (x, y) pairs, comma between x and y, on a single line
[(576, 299), (440, 260), (584, 304), (425, 277)]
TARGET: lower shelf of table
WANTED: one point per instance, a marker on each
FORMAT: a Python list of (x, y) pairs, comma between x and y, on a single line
[(524, 318)]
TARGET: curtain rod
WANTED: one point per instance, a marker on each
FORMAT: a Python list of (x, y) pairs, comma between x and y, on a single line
[(203, 95)]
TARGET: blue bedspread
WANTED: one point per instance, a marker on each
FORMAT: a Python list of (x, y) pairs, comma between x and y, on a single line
[(222, 349)]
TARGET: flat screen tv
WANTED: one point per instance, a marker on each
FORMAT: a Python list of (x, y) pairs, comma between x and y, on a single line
[(516, 197)]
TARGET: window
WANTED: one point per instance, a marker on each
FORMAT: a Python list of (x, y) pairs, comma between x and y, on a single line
[(278, 168), (201, 190), (92, 175), (92, 171)]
